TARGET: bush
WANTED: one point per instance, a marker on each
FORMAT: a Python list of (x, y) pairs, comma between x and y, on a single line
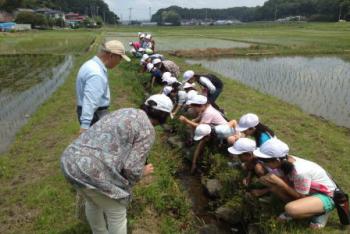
[(36, 20)]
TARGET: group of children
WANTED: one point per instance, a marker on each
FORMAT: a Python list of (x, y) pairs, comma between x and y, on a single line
[(305, 186), (145, 45)]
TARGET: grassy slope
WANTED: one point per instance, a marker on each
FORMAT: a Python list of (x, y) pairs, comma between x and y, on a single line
[(34, 196)]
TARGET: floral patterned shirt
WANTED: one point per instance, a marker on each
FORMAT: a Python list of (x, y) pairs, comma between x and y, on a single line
[(110, 156)]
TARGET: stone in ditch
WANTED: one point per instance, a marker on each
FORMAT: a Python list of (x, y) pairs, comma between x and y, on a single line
[(228, 215), (253, 228), (209, 229), (213, 187), (175, 142)]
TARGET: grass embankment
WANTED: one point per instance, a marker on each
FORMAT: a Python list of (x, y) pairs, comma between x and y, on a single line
[(34, 196), (307, 136)]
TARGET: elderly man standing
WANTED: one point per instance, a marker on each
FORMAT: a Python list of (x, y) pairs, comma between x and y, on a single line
[(93, 95)]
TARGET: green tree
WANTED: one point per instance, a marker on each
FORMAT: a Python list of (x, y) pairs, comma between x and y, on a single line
[(171, 17)]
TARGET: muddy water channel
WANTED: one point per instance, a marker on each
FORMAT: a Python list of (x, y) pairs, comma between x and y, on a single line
[(318, 85), (17, 104)]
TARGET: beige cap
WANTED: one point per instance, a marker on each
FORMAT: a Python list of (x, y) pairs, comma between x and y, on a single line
[(115, 47)]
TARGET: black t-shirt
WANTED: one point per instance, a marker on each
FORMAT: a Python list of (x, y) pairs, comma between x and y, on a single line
[(215, 80)]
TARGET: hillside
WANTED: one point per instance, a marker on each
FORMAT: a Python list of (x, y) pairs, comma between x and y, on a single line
[(313, 10), (86, 7)]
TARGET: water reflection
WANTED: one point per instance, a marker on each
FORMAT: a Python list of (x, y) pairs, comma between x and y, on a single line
[(319, 85), (16, 107)]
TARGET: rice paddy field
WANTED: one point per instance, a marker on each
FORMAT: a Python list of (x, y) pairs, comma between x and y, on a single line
[(38, 70)]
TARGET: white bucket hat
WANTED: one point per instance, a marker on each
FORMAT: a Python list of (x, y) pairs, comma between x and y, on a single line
[(188, 75), (197, 99), (242, 145), (201, 131), (115, 47), (163, 102), (247, 121), (148, 36), (273, 148)]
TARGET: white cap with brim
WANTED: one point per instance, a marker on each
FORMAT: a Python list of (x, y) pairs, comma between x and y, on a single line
[(166, 75), (273, 148), (188, 75), (197, 99), (150, 66), (191, 94), (242, 145), (201, 131), (156, 61), (247, 121), (167, 89), (145, 57), (163, 103), (115, 47), (170, 80)]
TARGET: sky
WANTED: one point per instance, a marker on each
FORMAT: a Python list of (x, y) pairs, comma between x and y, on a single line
[(141, 8)]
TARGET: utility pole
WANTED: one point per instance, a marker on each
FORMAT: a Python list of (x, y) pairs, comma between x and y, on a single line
[(104, 16), (130, 11), (275, 13), (206, 14), (150, 13)]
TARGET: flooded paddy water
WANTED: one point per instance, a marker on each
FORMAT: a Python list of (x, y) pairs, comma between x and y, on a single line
[(25, 87), (318, 85), (168, 43)]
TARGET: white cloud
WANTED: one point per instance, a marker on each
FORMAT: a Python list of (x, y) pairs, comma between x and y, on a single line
[(141, 7)]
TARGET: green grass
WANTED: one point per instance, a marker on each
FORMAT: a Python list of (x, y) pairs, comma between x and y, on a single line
[(34, 69), (47, 42)]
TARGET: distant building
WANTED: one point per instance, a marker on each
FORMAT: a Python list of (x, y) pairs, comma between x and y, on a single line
[(6, 17), (8, 26), (51, 13), (74, 18)]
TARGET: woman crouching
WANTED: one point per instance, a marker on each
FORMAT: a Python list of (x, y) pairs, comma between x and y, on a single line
[(310, 191)]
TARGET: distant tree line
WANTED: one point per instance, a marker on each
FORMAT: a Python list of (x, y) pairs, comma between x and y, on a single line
[(92, 8), (313, 10)]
